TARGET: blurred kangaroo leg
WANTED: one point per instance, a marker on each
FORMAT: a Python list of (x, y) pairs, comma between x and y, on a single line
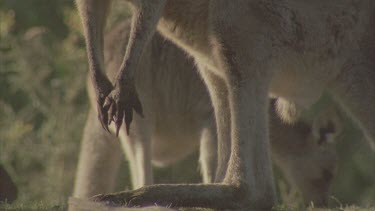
[(137, 147), (208, 153), (99, 160)]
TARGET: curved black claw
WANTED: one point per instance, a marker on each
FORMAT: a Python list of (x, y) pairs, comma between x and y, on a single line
[(102, 114), (102, 88)]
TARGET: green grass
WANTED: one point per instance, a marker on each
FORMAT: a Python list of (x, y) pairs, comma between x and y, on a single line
[(34, 206), (86, 204)]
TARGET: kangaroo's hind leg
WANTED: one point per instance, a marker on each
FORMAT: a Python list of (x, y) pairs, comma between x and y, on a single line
[(219, 96), (137, 147), (99, 160)]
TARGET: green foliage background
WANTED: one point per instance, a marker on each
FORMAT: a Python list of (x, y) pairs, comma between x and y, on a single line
[(43, 104)]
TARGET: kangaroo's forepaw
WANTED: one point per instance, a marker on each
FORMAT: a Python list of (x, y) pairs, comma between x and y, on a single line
[(119, 105)]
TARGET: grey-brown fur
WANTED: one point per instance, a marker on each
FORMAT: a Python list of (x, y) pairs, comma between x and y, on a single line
[(165, 68), (293, 50)]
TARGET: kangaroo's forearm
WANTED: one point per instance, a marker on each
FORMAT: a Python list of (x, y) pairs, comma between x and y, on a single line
[(93, 15), (145, 18)]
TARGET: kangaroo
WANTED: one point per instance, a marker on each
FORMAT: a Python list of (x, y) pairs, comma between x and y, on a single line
[(165, 67), (246, 51)]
